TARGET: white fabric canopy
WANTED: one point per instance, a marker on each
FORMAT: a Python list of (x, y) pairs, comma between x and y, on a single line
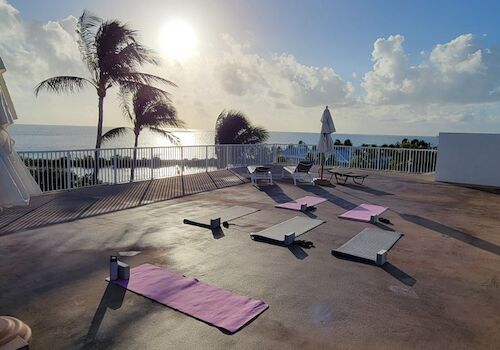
[(16, 183), (325, 144)]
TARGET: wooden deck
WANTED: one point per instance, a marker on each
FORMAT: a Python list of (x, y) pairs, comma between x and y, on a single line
[(80, 203)]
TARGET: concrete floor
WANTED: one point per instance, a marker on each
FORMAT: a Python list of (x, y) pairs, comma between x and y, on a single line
[(440, 289)]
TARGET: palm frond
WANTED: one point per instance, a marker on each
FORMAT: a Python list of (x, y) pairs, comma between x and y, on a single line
[(163, 114), (133, 54), (168, 134), (146, 78), (113, 133), (233, 127), (86, 29), (61, 84), (124, 97), (254, 134), (134, 86), (118, 50)]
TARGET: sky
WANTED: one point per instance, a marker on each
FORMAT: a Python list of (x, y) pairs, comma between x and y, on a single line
[(383, 67)]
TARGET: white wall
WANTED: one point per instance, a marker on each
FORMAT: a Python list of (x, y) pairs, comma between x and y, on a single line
[(469, 159)]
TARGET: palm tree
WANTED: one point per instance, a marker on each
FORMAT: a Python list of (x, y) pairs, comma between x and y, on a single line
[(233, 127), (147, 108), (112, 54)]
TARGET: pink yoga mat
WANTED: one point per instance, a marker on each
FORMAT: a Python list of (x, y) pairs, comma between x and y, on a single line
[(213, 305), (295, 205), (363, 212)]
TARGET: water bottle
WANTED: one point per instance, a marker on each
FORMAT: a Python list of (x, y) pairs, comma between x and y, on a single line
[(113, 268)]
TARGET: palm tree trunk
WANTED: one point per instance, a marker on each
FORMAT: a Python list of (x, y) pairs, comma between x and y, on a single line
[(98, 137), (99, 122), (134, 158)]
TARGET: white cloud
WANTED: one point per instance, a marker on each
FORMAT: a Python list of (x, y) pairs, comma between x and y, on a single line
[(459, 71), (34, 51), (242, 73)]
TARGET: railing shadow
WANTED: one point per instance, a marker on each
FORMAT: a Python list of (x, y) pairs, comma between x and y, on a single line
[(104, 199), (453, 233)]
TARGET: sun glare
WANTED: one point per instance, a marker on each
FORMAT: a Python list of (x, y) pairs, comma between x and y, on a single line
[(178, 40)]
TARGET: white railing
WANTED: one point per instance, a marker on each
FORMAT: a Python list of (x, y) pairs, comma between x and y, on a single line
[(69, 169)]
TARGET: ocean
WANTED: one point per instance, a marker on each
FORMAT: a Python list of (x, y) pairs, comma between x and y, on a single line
[(59, 137)]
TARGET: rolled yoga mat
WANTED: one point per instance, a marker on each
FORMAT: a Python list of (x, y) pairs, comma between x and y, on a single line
[(216, 306), (296, 205), (363, 212)]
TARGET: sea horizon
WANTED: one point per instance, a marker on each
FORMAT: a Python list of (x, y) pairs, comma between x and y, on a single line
[(39, 137)]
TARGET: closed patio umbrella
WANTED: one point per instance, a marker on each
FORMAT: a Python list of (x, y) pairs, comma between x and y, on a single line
[(325, 144), (16, 183)]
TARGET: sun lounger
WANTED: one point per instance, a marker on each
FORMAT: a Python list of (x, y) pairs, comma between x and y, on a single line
[(216, 306), (364, 213), (260, 173), (342, 177), (371, 244), (214, 220), (286, 231), (300, 171), (302, 204)]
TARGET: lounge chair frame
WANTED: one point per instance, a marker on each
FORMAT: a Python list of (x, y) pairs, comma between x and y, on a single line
[(342, 177), (260, 173), (300, 171)]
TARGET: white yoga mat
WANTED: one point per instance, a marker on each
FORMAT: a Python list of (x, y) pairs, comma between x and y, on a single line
[(286, 231)]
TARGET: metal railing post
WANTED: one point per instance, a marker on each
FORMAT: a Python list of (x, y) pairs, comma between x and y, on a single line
[(151, 167), (115, 166), (206, 159), (244, 155), (227, 156), (68, 170), (182, 160), (378, 158)]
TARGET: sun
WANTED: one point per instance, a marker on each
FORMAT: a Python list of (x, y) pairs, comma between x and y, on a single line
[(178, 40)]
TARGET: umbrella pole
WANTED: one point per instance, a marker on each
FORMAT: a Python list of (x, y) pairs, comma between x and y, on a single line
[(322, 159), (320, 181)]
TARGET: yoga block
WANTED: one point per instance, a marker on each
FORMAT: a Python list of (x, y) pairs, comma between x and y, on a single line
[(214, 223), (381, 257), (123, 271), (289, 238)]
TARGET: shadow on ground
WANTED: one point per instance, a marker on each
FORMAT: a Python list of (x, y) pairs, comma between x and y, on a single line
[(321, 192), (367, 189), (276, 193), (111, 299), (392, 270), (453, 233), (296, 248)]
